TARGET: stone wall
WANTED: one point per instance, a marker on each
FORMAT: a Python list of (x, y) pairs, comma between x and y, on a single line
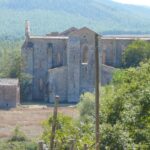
[(41, 54), (113, 49), (64, 63), (57, 84), (81, 63), (73, 69), (106, 74), (9, 93)]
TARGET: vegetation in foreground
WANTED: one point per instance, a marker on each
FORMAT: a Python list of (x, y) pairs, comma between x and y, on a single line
[(18, 141), (124, 115)]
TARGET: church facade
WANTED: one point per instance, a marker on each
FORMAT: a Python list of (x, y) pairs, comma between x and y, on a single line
[(64, 63)]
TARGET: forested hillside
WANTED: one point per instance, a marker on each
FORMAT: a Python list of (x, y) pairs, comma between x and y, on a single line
[(105, 17)]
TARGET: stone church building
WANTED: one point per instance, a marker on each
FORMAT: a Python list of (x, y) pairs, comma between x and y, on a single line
[(64, 63)]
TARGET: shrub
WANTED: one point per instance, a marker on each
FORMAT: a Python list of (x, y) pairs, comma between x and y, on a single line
[(68, 130), (135, 53), (18, 135), (17, 145), (87, 106), (25, 86)]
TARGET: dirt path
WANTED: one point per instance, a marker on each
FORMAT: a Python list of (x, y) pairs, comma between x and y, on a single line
[(29, 119)]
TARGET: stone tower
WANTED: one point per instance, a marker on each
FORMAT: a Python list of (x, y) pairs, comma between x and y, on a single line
[(81, 64)]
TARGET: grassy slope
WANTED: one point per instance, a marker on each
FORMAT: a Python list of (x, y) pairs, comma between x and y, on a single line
[(57, 15)]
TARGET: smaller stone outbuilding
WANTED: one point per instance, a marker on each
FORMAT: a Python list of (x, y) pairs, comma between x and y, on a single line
[(9, 93)]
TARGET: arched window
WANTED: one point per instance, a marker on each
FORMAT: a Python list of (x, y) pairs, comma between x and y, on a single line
[(49, 55), (85, 55)]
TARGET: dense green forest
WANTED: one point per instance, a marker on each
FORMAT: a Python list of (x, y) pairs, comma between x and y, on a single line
[(106, 17)]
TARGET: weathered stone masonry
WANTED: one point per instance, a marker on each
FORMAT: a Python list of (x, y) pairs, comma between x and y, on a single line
[(9, 93), (63, 63)]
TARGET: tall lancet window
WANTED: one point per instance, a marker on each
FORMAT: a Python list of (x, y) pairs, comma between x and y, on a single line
[(49, 55), (85, 54)]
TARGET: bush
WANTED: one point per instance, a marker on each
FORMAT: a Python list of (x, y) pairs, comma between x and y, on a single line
[(68, 130), (87, 106), (25, 86), (18, 141), (65, 131), (114, 137), (135, 53), (10, 59), (17, 145), (18, 135)]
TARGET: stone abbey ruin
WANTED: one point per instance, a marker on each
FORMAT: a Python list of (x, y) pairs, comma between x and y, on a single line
[(63, 63)]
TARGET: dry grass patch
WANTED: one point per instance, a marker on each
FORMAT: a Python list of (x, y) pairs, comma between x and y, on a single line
[(29, 119)]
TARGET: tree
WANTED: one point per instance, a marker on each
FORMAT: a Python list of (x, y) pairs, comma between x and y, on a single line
[(135, 53), (10, 65), (132, 99), (68, 130), (10, 59), (125, 109)]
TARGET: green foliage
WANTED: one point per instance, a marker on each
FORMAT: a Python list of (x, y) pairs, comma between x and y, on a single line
[(18, 135), (17, 145), (125, 109), (114, 137), (18, 141), (68, 130), (11, 63), (86, 106), (135, 53), (124, 115), (134, 93), (10, 59), (25, 84)]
